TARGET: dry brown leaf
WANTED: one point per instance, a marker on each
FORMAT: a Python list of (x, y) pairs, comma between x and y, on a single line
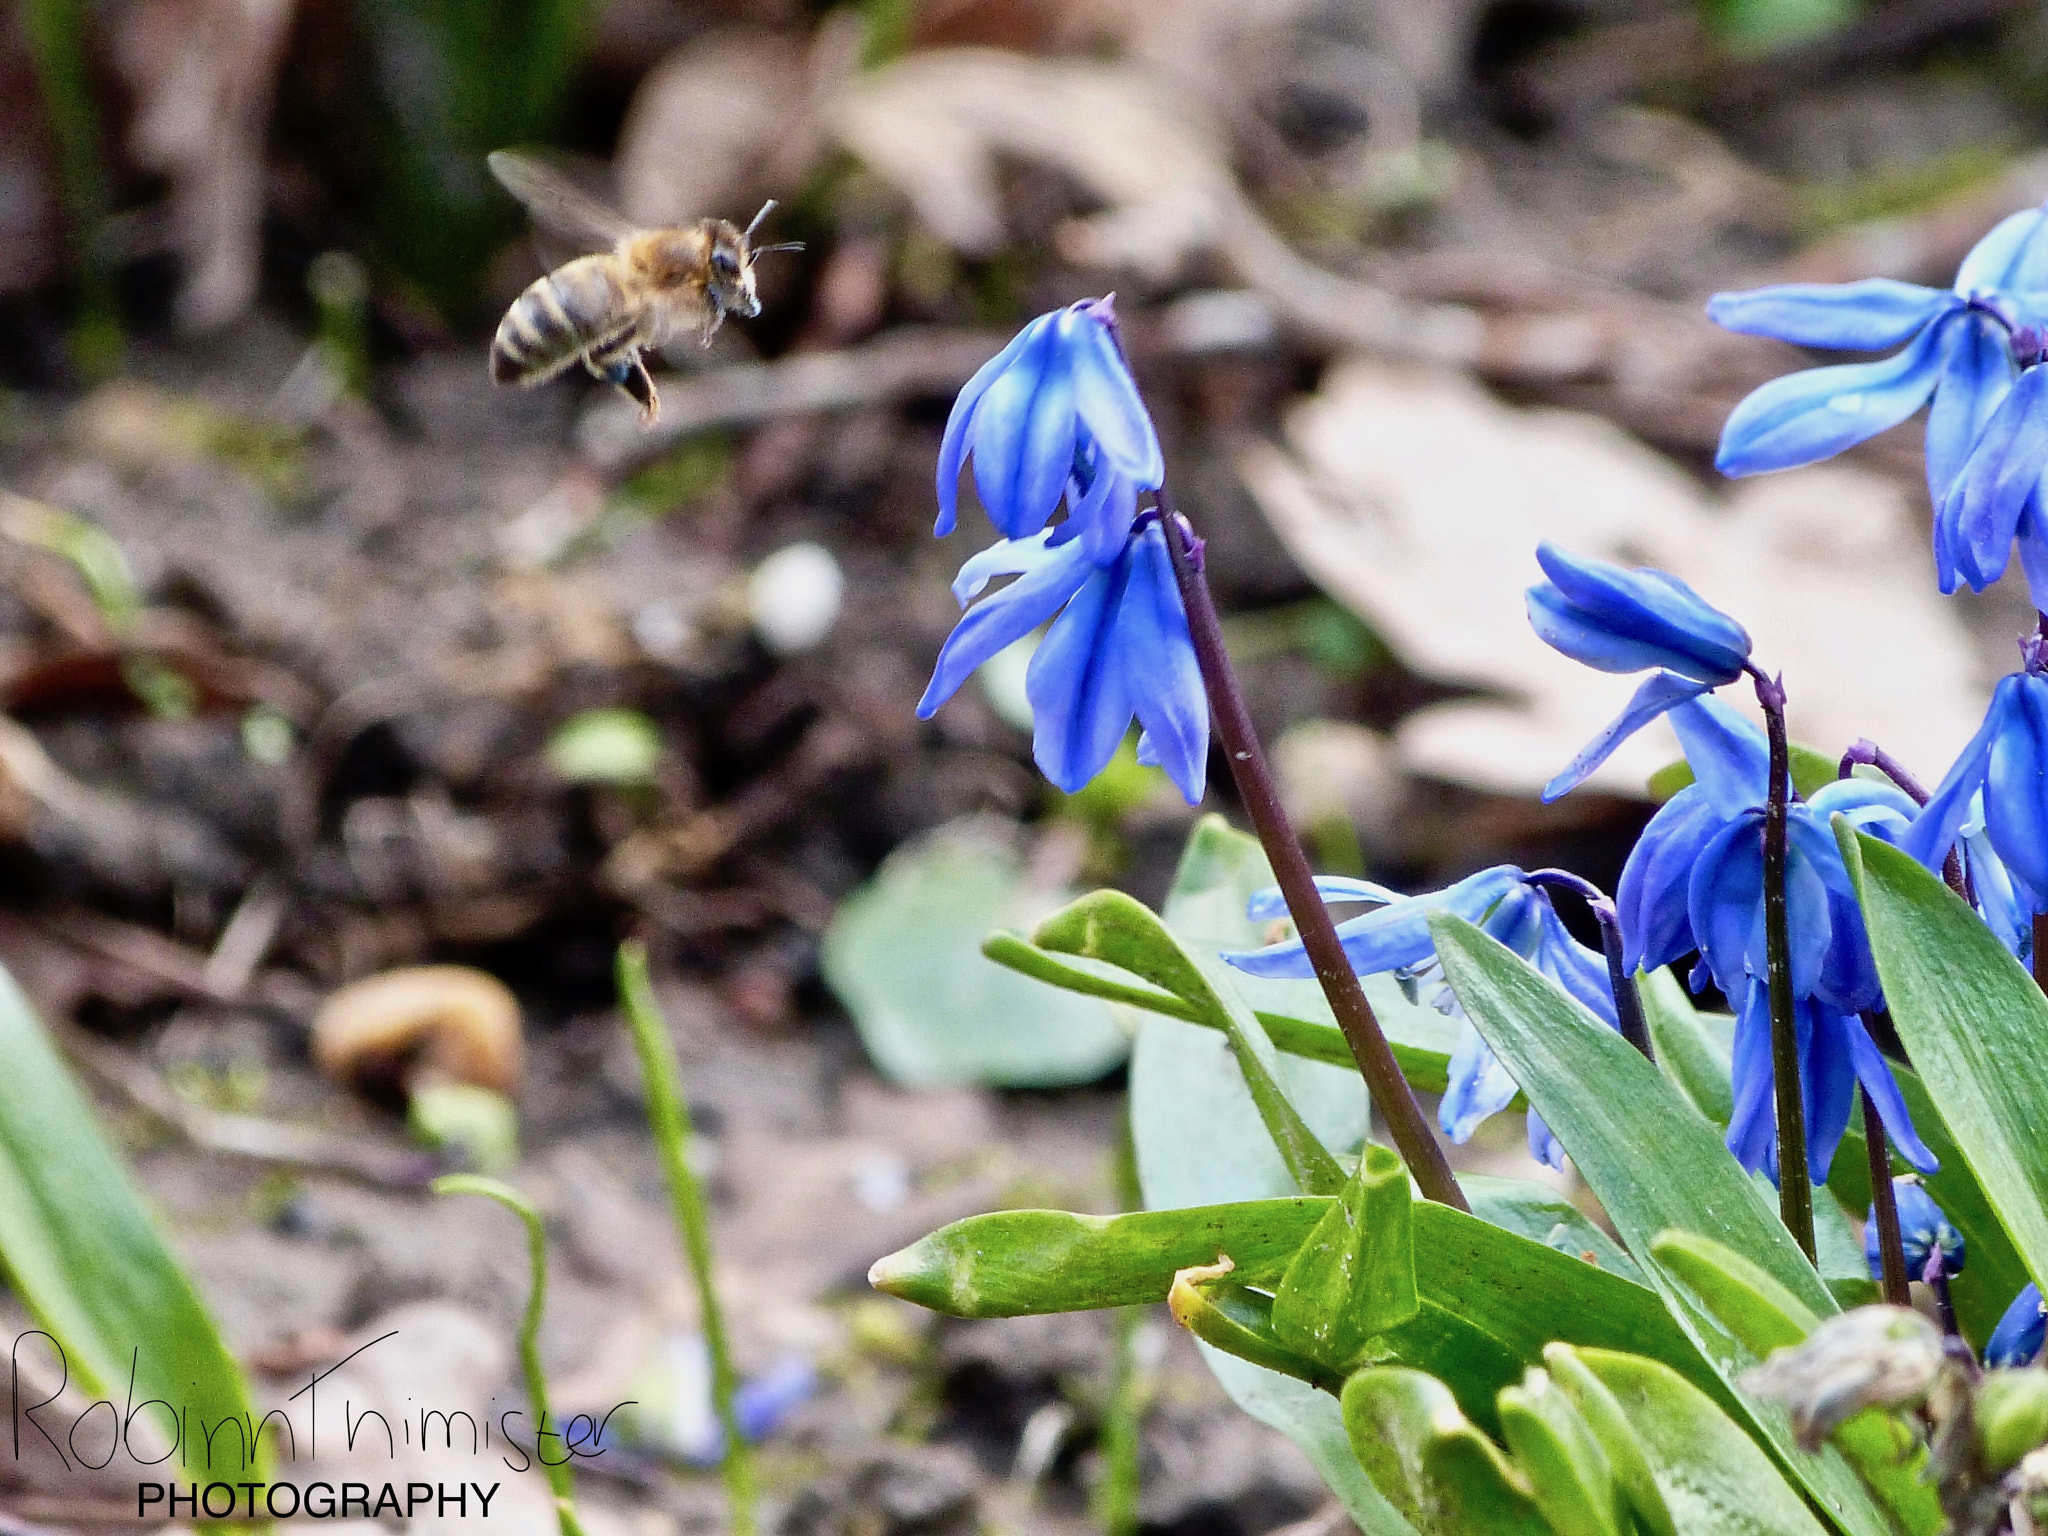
[(1418, 500), (202, 73), (716, 125)]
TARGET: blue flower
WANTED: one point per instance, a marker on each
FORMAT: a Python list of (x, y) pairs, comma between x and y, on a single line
[(1694, 881), (1924, 1228), (1118, 650), (2006, 764), (1629, 621), (1395, 937), (1055, 405), (1959, 353), (2016, 1341), (1994, 503)]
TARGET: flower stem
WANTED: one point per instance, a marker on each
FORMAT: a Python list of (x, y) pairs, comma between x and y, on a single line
[(1628, 1002), (1348, 1003), (669, 1117), (1795, 1193), (1936, 1276), (1884, 1209)]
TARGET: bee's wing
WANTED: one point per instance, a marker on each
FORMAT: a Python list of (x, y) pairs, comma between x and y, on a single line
[(556, 205)]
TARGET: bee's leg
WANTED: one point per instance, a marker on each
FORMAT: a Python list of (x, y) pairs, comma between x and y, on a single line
[(628, 371)]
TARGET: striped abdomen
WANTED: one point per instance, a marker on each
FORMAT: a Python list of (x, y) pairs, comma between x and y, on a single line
[(577, 311)]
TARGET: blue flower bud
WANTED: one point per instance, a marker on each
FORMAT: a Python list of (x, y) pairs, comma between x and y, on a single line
[(1924, 1228), (1629, 621), (2017, 1338), (1057, 399)]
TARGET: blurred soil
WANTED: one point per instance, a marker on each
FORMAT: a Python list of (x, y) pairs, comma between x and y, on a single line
[(310, 744)]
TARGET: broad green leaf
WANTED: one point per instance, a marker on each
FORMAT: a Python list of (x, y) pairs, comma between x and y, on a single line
[(1606, 1105), (1431, 1463), (1973, 1021), (1711, 1475), (88, 1262), (1112, 927), (1766, 1317), (1540, 1213), (904, 955), (1570, 1475), (1693, 1048), (2012, 1415), (1355, 1276)]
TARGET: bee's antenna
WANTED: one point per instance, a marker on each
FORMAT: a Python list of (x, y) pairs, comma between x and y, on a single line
[(786, 245), (766, 209)]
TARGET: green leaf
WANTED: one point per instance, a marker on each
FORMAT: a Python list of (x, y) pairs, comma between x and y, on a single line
[(1606, 1104), (1430, 1462), (1540, 1213), (1113, 927), (1570, 1475), (1972, 1019), (605, 746), (1018, 1263), (903, 955), (1711, 1476), (88, 1262), (1355, 1276), (1694, 1049), (1239, 1321)]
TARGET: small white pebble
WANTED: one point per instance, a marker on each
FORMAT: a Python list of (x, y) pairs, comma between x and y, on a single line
[(793, 598)]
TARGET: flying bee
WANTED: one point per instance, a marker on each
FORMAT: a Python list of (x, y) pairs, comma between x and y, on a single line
[(605, 310)]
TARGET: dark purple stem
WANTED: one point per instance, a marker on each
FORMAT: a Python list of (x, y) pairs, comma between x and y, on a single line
[(1936, 1276), (1795, 1193), (1884, 1209), (1869, 752), (1354, 1014), (1628, 1002)]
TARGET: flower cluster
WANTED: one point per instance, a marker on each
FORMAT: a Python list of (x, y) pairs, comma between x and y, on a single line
[(1055, 416)]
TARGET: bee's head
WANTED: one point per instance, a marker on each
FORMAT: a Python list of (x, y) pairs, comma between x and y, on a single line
[(730, 282)]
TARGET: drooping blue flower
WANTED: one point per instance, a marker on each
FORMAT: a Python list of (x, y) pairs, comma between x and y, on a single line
[(1694, 881), (1994, 503), (1924, 1229), (1960, 354), (1627, 621), (1056, 401), (1119, 650), (2016, 1341), (2006, 764), (1394, 937)]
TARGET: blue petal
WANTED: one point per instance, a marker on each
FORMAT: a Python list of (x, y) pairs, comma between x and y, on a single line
[(1754, 1125), (1998, 902), (1078, 684), (1624, 621), (1855, 317), (1660, 692), (1580, 971), (1108, 403), (1976, 370), (1023, 438), (1725, 898), (1934, 829), (1981, 514), (1543, 1143), (1394, 936), (1656, 926), (1479, 1088), (1805, 417), (1049, 578), (1729, 756), (953, 447), (2033, 547), (2016, 1341), (1875, 1074), (2008, 258), (1872, 805), (1827, 1084), (1152, 634), (1105, 514), (2016, 790), (1267, 902)]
